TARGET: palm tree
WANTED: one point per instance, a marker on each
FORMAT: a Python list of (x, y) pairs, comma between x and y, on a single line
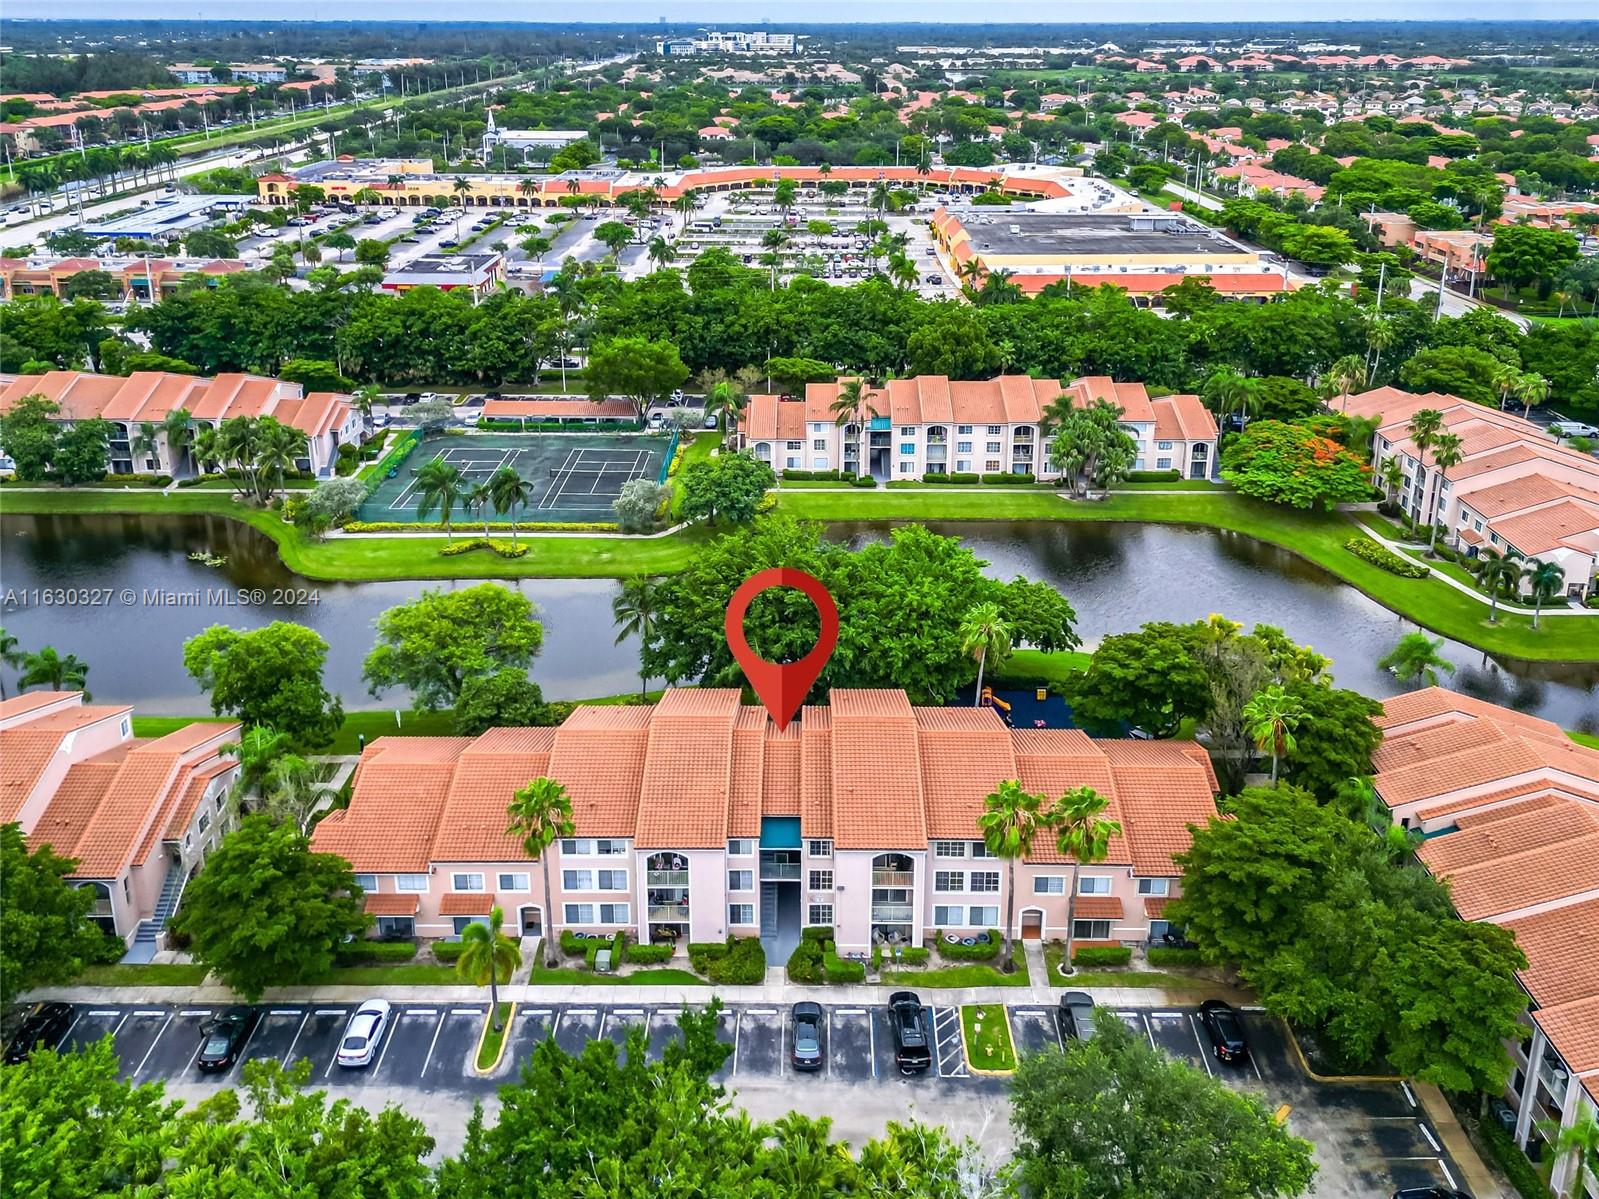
[(1500, 572), (984, 632), (10, 655), (1581, 1142), (1083, 835), (49, 669), (364, 399), (883, 199), (1380, 334), (1504, 380), (281, 446), (143, 441), (509, 491), (178, 428), (488, 957), (258, 750), (1226, 391), (1345, 375), (1446, 452), (480, 499), (1011, 818), (684, 205), (633, 611), (1393, 475), (208, 448), (847, 408), (725, 400), (569, 301), (774, 240), (1545, 579), (541, 812), (294, 789), (661, 251), (442, 486), (1416, 658), (1424, 426), (1270, 718), (1530, 389)]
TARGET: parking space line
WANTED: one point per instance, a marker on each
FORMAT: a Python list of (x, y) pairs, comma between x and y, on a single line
[(580, 1011), (1426, 1132), (871, 1032), (296, 1040), (1204, 1057), (195, 1055), (1255, 1066), (738, 1023), (102, 1012), (1405, 1087), (466, 1011), (388, 1039), (329, 1011), (245, 1048), (431, 1045), (1148, 1031), (66, 1036), (153, 1044), (284, 1011), (186, 1012), (420, 1011), (157, 1012), (1444, 1166)]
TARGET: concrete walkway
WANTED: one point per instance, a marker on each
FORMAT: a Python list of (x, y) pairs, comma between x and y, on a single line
[(1479, 1180)]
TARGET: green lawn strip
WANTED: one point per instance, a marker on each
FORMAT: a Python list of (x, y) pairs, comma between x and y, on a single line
[(698, 449), (142, 974), (666, 976), (986, 1030), (1026, 665), (488, 1052), (1317, 537), (966, 974), (403, 974), (1588, 739), (1054, 951)]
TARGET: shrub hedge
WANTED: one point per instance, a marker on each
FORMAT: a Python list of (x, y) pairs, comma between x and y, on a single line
[(1385, 559), (743, 964), (816, 932), (702, 953), (840, 970), (505, 549), (1102, 955), (807, 476), (1152, 476), (433, 526), (448, 951), (1162, 955), (647, 955), (617, 945), (980, 952), (1523, 1175), (958, 478), (350, 953), (572, 945), (1003, 479), (865, 481), (805, 963)]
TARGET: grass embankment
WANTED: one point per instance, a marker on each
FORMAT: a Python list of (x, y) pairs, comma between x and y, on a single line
[(346, 741), (1588, 739), (403, 974), (1055, 952), (488, 1051), (664, 977), (965, 974), (142, 974), (986, 1030)]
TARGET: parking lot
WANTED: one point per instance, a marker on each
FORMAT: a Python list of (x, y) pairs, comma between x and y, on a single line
[(1370, 1138)]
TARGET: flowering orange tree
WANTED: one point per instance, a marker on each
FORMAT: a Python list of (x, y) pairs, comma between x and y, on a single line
[(1299, 463)]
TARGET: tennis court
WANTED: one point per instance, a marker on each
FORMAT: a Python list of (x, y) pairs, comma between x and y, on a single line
[(575, 477)]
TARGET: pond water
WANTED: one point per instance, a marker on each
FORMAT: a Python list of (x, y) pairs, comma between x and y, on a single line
[(1116, 575)]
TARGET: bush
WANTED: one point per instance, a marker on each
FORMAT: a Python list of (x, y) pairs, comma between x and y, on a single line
[(805, 963), (816, 932), (702, 953), (980, 952), (1152, 476), (398, 453), (1102, 955), (351, 953), (572, 945), (504, 549), (1523, 1175), (1385, 559), (498, 526), (837, 970), (805, 476), (955, 477), (647, 955), (617, 945), (915, 955), (744, 963), (865, 481), (448, 951), (1161, 955), (1003, 479)]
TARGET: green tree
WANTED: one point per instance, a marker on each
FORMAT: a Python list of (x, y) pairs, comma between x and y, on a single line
[(1152, 680), (633, 612), (1300, 465), (442, 486), (1415, 659), (1271, 717), (634, 367), (1012, 817), (1545, 579), (437, 642), (83, 452), (1114, 1116), (266, 911), (28, 436), (1464, 371), (489, 958), (47, 668), (540, 813), (315, 375), (208, 243), (1337, 738), (983, 632), (11, 654), (1525, 254), (267, 676), (505, 699), (1082, 833), (46, 936), (728, 487), (339, 240), (1579, 1142), (614, 235), (1088, 445), (1499, 574), (509, 491), (371, 252), (638, 502)]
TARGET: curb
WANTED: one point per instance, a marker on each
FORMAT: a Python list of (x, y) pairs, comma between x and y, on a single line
[(505, 1039), (1299, 1055), (966, 1050)]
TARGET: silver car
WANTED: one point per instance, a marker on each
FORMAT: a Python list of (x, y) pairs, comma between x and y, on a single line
[(364, 1033)]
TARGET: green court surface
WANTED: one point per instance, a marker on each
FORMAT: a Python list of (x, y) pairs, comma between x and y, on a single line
[(574, 476)]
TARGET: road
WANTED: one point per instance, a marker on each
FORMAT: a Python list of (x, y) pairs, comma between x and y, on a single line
[(1370, 1138), (1455, 303)]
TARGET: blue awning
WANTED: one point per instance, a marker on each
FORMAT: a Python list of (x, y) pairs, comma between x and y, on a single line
[(780, 832)]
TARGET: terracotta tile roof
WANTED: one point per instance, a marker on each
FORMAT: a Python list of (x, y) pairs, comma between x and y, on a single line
[(1570, 523), (466, 903), (393, 816), (1155, 906), (1479, 806), (1159, 799), (1183, 418), (780, 782), (1097, 907), (599, 756), (1573, 1028), (1432, 702), (472, 826), (391, 903), (1516, 864), (966, 753), (877, 778), (684, 795), (75, 800), (1561, 963), (816, 771)]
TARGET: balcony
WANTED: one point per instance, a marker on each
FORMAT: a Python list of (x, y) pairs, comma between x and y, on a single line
[(892, 913), (666, 878), (1022, 453), (667, 913), (893, 878), (780, 872)]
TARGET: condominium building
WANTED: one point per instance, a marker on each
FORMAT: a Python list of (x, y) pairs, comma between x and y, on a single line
[(137, 279), (254, 72), (138, 814), (699, 818), (932, 425), (1515, 491), (146, 398), (1510, 809)]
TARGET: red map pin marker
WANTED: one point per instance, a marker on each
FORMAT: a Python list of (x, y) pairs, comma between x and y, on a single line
[(782, 686)]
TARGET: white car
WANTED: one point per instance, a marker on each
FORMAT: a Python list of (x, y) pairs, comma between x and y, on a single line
[(1572, 428), (364, 1033)]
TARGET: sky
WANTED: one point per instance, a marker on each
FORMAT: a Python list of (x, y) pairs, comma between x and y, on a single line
[(732, 13)]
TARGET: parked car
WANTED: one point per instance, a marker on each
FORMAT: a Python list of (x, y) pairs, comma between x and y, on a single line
[(1572, 428), (656, 421), (1430, 1193), (364, 1033), (711, 420), (911, 1051), (44, 1028), (225, 1037), (1225, 1030), (1076, 1016), (807, 1051)]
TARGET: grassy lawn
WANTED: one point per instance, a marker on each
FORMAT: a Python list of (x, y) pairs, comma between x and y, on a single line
[(143, 974), (664, 977), (963, 974), (488, 1053), (986, 1031), (405, 974), (372, 724), (1025, 665), (1054, 951), (699, 449), (1588, 739)]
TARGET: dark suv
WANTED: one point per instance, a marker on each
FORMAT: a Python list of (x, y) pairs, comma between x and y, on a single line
[(1225, 1031), (911, 1051)]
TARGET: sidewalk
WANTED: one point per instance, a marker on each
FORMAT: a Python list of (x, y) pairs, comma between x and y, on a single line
[(1479, 1179)]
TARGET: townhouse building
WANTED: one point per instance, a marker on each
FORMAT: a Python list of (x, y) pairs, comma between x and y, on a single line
[(698, 818), (1515, 491), (1509, 806), (146, 398), (137, 279), (931, 425), (138, 814)]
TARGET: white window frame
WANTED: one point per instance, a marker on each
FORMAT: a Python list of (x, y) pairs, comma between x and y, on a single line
[(737, 910), (946, 915), (577, 913), (983, 915), (1094, 884), (1089, 930), (514, 880), (821, 880), (983, 882), (412, 882), (619, 913), (367, 882), (949, 849), (820, 914), (741, 880), (456, 883), (741, 847), (821, 848), (577, 880), (949, 882), (1049, 884), (616, 882), (1154, 886)]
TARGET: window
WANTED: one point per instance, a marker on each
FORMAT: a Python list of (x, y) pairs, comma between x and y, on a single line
[(584, 847), (963, 464), (994, 447), (949, 849), (944, 916), (966, 429), (908, 448), (819, 462), (1158, 929), (466, 882), (367, 882), (1052, 884), (963, 447), (820, 913), (580, 913), (740, 847), (980, 850), (741, 880), (949, 880), (741, 913), (821, 880), (985, 916), (995, 430), (1154, 886), (577, 880), (818, 443), (818, 427), (821, 849), (613, 913), (793, 445), (1163, 445), (612, 880), (512, 882), (992, 465), (462, 923), (907, 431), (1091, 930), (410, 882), (792, 462), (126, 894), (205, 822), (1093, 884), (985, 880), (906, 468), (1162, 463), (127, 729)]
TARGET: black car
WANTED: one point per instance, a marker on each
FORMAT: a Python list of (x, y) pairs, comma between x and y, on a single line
[(225, 1037), (1225, 1030), (807, 1051), (1076, 1016), (911, 1051), (1430, 1193), (44, 1027)]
